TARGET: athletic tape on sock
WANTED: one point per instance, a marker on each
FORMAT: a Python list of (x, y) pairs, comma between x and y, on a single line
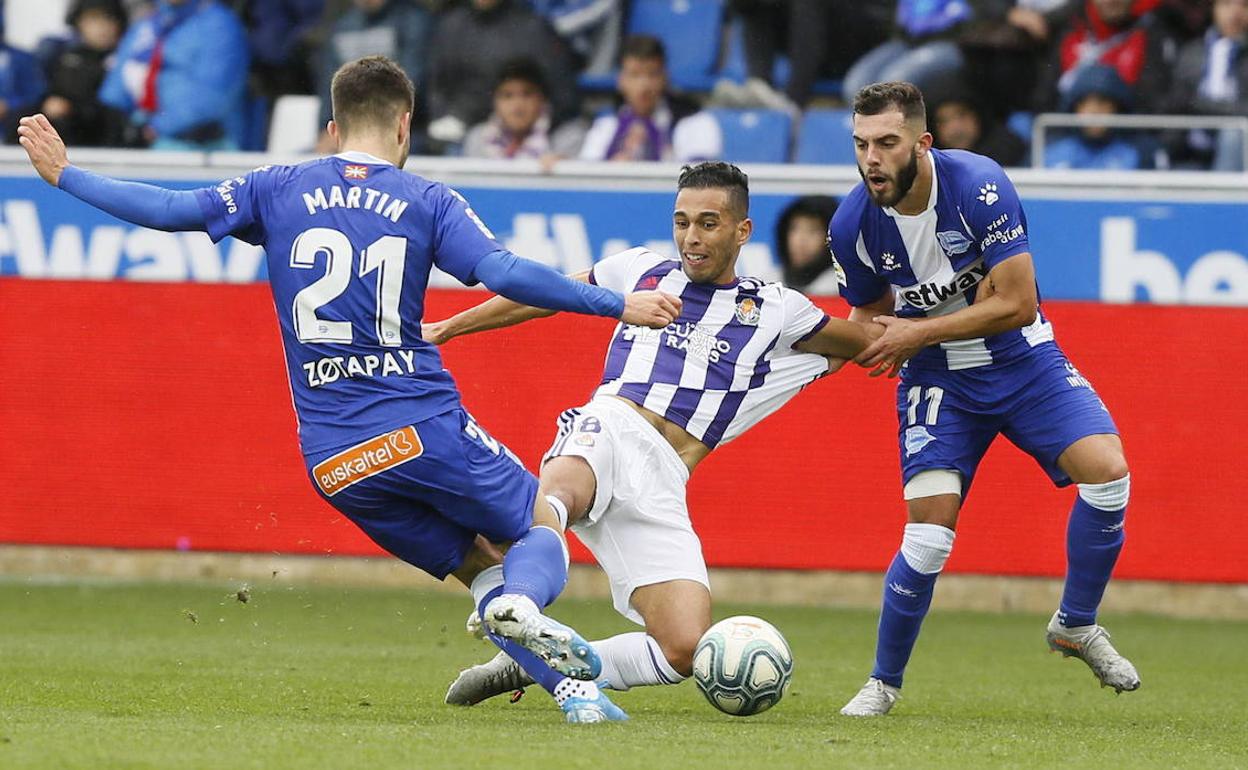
[(1110, 496), (561, 510), (926, 547)]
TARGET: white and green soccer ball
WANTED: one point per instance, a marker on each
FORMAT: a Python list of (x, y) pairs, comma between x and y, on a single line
[(743, 665)]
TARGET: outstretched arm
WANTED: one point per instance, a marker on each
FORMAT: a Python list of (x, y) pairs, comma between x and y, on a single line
[(494, 313), (840, 339), (141, 204)]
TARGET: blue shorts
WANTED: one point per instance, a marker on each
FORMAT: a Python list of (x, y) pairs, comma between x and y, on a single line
[(425, 491), (1040, 402)]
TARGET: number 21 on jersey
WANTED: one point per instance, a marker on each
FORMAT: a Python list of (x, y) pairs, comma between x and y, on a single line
[(386, 256)]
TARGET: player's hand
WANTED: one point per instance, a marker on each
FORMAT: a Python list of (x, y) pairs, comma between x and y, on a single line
[(655, 309), (902, 339), (43, 146), (435, 332)]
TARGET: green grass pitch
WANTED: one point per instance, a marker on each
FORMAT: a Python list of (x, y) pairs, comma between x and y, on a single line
[(149, 675)]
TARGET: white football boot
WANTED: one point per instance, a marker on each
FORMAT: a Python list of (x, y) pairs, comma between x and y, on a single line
[(496, 676), (1091, 645), (517, 618), (873, 700)]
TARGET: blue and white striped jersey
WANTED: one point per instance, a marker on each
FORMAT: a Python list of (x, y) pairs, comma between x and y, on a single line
[(725, 363), (935, 260)]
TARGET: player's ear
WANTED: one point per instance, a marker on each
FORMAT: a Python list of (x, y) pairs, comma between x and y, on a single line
[(331, 128), (405, 127), (745, 228), (923, 144)]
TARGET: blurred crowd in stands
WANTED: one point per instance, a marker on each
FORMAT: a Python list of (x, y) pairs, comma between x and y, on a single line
[(746, 80)]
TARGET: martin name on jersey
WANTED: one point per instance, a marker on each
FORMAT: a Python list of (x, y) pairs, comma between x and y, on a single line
[(936, 260), (725, 363)]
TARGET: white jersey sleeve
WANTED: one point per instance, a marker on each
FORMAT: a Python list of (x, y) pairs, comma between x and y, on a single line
[(622, 271), (802, 318)]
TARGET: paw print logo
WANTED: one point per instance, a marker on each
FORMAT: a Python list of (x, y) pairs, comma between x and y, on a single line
[(988, 193), (889, 260)]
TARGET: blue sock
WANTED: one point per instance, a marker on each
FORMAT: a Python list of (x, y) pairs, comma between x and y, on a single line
[(534, 666), (907, 595), (1093, 539), (536, 566)]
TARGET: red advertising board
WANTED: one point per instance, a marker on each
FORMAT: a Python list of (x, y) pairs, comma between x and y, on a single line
[(158, 416)]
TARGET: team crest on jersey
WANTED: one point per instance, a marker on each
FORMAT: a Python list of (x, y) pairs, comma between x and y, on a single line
[(890, 260), (748, 311), (355, 172), (953, 242), (917, 437)]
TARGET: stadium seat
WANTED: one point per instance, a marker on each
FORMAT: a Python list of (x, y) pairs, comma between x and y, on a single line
[(295, 125), (826, 136), (1020, 124), (690, 31), (754, 136)]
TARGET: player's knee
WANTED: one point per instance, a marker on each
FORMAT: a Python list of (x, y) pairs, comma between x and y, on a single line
[(678, 647)]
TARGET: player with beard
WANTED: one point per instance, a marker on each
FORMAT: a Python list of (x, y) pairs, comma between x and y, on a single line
[(933, 244)]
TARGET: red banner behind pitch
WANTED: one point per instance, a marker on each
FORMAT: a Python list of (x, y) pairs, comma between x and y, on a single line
[(158, 416)]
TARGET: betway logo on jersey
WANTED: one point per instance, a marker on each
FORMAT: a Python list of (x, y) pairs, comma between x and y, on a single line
[(935, 293), (366, 459), (691, 338)]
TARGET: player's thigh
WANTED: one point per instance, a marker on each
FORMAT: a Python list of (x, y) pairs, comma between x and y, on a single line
[(474, 480), (580, 466), (414, 531), (676, 614), (1056, 410), (941, 426)]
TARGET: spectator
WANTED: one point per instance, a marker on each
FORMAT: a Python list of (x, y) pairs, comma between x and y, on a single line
[(821, 37), (471, 45), (650, 123), (1121, 34), (76, 71), (1005, 45), (924, 50), (397, 29), (1211, 78), (520, 126), (21, 86), (278, 34), (590, 28), (802, 245), (959, 121), (1098, 89), (181, 75)]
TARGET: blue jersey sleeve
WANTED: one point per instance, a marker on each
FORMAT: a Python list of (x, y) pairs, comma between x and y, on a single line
[(460, 238), (996, 216), (234, 206), (860, 285)]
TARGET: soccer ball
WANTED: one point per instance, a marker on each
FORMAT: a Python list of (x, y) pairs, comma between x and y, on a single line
[(742, 665)]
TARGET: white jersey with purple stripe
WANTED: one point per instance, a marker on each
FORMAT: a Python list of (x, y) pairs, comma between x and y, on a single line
[(725, 363), (935, 260)]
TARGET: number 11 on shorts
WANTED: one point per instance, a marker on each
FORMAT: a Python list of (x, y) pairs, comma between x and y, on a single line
[(915, 396)]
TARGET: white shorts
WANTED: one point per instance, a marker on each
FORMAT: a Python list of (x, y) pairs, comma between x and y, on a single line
[(638, 527)]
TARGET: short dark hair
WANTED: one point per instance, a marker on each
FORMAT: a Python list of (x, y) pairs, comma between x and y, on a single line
[(373, 91), (525, 70), (717, 174), (897, 95), (643, 47)]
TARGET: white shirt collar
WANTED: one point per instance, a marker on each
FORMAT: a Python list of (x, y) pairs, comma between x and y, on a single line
[(355, 156)]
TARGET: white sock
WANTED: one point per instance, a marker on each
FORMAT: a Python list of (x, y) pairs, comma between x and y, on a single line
[(630, 660), (486, 580), (575, 688)]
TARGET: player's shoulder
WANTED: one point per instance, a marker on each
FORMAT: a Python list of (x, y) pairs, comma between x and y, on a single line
[(638, 256), (849, 214), (968, 170)]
